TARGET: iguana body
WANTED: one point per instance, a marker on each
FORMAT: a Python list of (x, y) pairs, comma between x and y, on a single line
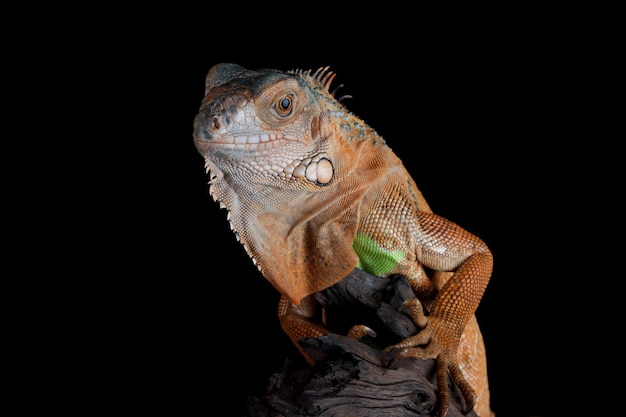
[(313, 192)]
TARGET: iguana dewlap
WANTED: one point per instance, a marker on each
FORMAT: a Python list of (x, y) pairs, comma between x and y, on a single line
[(313, 192)]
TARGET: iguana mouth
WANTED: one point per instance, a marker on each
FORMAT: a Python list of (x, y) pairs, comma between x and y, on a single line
[(254, 143)]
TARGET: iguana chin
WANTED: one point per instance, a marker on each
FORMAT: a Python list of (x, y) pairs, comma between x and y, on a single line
[(313, 192)]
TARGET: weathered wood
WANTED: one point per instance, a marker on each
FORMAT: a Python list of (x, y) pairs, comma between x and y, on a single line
[(357, 378)]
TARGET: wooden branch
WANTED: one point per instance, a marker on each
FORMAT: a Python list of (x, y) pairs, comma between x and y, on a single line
[(355, 377)]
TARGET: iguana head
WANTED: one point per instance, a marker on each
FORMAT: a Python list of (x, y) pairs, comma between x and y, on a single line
[(285, 158)]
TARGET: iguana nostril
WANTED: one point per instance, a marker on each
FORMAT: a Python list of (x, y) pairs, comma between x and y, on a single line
[(216, 123)]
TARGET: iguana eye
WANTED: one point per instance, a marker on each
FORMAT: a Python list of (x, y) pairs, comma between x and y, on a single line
[(284, 105)]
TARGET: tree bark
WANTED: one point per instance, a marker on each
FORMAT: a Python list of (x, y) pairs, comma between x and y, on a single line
[(356, 377)]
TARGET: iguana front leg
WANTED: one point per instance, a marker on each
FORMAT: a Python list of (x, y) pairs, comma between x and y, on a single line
[(447, 247), (301, 321), (306, 320)]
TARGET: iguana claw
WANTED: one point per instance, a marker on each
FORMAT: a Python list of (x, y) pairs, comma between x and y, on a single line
[(360, 330)]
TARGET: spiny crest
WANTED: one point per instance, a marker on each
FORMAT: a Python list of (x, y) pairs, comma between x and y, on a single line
[(212, 180), (324, 78)]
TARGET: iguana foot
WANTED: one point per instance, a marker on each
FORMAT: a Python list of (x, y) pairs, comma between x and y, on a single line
[(443, 366), (432, 342)]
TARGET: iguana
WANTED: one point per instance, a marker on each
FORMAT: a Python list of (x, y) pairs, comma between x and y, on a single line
[(312, 192)]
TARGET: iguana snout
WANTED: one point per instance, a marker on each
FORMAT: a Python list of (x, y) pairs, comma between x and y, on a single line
[(224, 121), (202, 132)]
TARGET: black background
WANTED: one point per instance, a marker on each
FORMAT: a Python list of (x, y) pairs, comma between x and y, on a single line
[(475, 111)]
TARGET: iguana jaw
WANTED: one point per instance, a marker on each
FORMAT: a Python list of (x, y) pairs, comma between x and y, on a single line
[(244, 147)]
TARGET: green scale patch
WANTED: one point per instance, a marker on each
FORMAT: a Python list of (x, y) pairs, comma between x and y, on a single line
[(372, 258)]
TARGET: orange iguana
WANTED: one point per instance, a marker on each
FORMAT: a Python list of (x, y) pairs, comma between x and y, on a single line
[(313, 192)]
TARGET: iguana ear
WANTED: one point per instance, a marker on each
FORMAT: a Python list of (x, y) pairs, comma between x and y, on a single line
[(313, 253)]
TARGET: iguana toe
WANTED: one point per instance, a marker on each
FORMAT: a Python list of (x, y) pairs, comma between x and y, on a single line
[(415, 309), (359, 331)]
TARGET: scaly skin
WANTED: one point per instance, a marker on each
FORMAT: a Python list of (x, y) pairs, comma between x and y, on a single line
[(313, 192)]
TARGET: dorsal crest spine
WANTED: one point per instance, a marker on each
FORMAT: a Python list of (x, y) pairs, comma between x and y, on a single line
[(323, 77)]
